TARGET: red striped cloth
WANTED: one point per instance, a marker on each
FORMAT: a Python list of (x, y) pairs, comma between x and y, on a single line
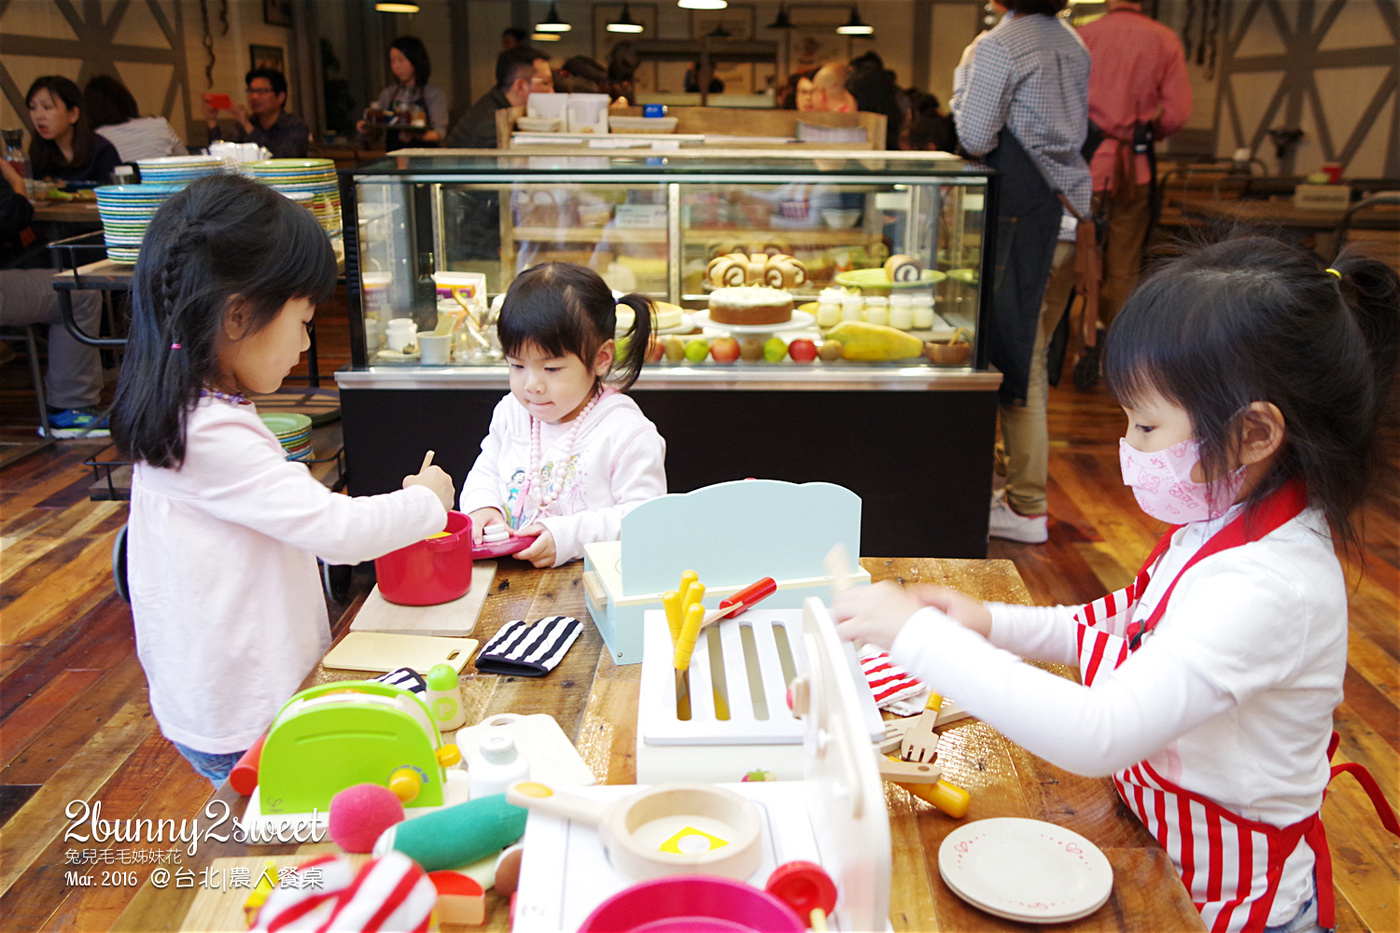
[(889, 682)]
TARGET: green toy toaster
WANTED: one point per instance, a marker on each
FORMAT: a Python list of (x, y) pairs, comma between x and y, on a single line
[(334, 736)]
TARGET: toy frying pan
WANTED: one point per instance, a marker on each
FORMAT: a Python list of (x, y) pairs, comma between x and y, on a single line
[(686, 904), (512, 544), (670, 829)]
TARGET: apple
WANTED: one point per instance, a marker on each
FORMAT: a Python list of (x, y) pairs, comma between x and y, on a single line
[(656, 351), (751, 349), (696, 350), (674, 348), (830, 351), (775, 349), (724, 349), (802, 350)]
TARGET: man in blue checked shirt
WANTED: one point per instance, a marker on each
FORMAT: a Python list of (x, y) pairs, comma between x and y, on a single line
[(1021, 102)]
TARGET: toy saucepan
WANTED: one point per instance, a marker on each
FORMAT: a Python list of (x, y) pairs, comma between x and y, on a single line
[(692, 904), (670, 829)]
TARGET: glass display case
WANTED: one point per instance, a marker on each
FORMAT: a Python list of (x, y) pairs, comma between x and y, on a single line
[(894, 239), (903, 413)]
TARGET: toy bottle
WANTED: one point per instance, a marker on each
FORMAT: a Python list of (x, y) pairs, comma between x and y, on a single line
[(445, 698), (500, 766)]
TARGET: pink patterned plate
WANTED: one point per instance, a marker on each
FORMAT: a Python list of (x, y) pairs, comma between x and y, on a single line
[(1026, 870)]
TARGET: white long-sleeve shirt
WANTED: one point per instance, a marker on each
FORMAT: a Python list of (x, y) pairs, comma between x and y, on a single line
[(617, 462), (221, 566), (1230, 696)]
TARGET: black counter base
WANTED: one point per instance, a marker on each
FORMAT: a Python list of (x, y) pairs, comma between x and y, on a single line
[(921, 462)]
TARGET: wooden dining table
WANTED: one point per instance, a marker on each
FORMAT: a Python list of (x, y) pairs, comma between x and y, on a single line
[(595, 703)]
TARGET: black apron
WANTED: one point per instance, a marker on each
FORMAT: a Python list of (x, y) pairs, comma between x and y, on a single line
[(1028, 227)]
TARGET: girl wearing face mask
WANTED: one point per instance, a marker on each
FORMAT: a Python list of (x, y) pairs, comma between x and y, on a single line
[(1253, 381)]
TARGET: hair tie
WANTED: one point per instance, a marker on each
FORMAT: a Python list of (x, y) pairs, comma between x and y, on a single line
[(176, 346), (1334, 272)]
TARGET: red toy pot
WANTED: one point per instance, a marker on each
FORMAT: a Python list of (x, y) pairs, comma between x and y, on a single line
[(692, 904), (431, 571)]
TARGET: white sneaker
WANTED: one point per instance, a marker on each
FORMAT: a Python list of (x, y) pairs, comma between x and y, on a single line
[(1007, 523)]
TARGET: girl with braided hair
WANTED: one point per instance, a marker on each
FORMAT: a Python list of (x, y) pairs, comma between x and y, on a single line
[(224, 531)]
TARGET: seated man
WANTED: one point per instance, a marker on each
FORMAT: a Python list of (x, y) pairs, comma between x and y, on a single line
[(73, 383), (520, 71), (829, 92), (263, 121)]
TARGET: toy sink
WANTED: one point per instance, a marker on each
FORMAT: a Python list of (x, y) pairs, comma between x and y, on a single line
[(730, 534), (331, 737)]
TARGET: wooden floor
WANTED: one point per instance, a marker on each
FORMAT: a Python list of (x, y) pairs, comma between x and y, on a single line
[(75, 724)]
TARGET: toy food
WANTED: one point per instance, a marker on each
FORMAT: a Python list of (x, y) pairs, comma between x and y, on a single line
[(750, 305), (902, 268), (864, 341), (360, 814)]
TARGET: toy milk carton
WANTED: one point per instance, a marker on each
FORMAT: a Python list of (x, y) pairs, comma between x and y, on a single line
[(730, 534)]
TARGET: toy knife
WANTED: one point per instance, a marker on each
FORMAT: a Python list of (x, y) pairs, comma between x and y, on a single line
[(746, 598)]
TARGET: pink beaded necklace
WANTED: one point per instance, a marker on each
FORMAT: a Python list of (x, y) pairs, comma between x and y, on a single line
[(536, 490)]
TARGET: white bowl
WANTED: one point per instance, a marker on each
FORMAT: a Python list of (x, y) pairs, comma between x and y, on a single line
[(840, 218)]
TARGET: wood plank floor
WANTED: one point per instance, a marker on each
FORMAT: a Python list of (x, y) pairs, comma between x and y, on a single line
[(75, 724)]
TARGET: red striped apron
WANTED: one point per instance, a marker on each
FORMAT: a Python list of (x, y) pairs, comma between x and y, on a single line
[(1230, 865)]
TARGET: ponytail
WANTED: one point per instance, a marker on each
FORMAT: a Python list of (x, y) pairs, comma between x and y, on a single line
[(638, 340), (1371, 290)]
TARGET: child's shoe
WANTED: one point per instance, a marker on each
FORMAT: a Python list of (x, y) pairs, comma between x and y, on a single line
[(78, 422), (1007, 523)]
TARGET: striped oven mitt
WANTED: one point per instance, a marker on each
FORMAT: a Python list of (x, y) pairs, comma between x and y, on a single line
[(389, 893), (529, 649)]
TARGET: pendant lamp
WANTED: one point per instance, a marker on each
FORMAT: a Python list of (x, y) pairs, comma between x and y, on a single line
[(624, 23), (855, 27), (782, 21), (552, 22)]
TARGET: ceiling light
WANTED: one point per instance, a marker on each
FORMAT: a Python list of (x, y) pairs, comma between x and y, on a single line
[(552, 22), (545, 37), (782, 21), (624, 22), (396, 7), (702, 4), (855, 27)]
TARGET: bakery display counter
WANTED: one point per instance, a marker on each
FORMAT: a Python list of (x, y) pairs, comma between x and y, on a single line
[(818, 316)]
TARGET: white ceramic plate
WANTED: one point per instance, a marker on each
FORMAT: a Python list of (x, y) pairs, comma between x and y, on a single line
[(1026, 870), (799, 320)]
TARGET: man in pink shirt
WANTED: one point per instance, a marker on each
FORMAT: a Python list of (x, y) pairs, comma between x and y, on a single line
[(1137, 80)]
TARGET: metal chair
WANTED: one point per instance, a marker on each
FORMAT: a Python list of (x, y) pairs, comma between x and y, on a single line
[(29, 334), (1387, 222)]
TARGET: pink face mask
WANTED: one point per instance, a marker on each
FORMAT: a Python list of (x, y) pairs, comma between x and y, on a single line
[(1162, 483)]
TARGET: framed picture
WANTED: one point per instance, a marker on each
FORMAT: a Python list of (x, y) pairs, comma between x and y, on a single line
[(604, 42), (737, 20), (814, 40), (267, 56), (277, 12)]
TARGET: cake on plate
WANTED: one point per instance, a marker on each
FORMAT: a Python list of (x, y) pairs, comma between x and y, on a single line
[(666, 317), (750, 305)]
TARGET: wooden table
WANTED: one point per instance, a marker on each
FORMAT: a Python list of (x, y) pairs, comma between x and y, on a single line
[(595, 703), (66, 212), (1279, 213)]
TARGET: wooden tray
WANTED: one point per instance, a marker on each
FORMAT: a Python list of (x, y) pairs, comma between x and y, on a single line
[(453, 620)]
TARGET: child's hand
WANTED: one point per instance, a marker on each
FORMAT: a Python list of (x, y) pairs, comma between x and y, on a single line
[(436, 479), (971, 613), (874, 614), (541, 553), (483, 517)]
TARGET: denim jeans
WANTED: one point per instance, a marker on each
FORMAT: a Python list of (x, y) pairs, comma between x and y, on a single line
[(212, 765), (1304, 921)]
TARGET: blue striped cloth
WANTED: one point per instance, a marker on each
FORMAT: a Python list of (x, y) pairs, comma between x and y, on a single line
[(1031, 75)]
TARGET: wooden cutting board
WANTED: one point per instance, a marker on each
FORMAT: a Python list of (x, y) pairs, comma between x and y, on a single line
[(454, 619), (380, 652)]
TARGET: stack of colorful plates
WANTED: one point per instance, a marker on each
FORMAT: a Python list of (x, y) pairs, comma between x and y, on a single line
[(178, 170), (297, 178), (293, 432), (126, 210)]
